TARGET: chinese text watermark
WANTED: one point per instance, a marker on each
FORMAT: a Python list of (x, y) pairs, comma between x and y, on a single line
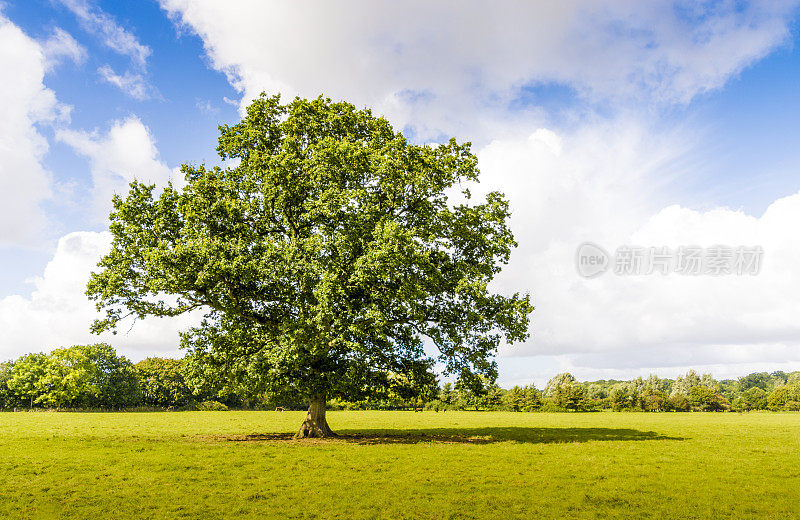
[(592, 260)]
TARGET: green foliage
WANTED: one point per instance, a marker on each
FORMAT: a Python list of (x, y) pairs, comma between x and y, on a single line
[(414, 385), (705, 399), (114, 380), (596, 393), (729, 389), (321, 260), (640, 395), (83, 376), (493, 400), (162, 382), (679, 403), (620, 397), (778, 398), (683, 384), (564, 392), (755, 380), (549, 406), (514, 399), (655, 401), (211, 406), (472, 394), (656, 384), (754, 398), (779, 378), (572, 397), (558, 380), (69, 378), (522, 399), (708, 381), (448, 396), (93, 376), (7, 398), (27, 379)]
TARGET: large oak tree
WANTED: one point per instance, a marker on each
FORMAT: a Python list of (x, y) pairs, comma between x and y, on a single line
[(324, 258)]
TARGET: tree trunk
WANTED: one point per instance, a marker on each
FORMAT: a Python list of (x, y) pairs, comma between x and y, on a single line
[(315, 425)]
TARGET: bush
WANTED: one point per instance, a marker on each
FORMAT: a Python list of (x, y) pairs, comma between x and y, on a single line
[(211, 406), (549, 406), (603, 404)]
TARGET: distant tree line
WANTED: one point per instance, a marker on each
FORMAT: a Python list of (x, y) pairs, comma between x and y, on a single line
[(777, 391), (95, 377)]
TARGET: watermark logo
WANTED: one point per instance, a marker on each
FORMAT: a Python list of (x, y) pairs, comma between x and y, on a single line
[(592, 260)]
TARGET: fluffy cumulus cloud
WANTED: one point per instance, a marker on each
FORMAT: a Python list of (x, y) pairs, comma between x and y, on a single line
[(462, 68), (57, 313), (127, 151), (439, 65), (601, 185), (25, 103)]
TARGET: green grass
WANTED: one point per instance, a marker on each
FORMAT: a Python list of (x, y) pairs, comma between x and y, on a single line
[(400, 465)]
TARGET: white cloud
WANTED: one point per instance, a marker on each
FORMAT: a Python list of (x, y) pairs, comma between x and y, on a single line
[(115, 37), (441, 65), (599, 184), (59, 314), (24, 103), (62, 45), (454, 67), (132, 84), (94, 20), (206, 107), (126, 152)]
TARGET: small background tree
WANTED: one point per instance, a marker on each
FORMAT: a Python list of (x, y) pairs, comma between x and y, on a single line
[(162, 382)]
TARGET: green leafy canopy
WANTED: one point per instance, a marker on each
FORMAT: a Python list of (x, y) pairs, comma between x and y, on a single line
[(323, 261)]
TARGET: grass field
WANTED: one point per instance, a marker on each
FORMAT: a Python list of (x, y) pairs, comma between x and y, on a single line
[(400, 465)]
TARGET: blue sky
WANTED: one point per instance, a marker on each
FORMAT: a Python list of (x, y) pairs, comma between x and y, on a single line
[(181, 83), (617, 122)]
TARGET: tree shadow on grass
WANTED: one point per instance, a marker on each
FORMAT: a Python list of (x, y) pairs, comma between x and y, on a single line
[(488, 435)]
